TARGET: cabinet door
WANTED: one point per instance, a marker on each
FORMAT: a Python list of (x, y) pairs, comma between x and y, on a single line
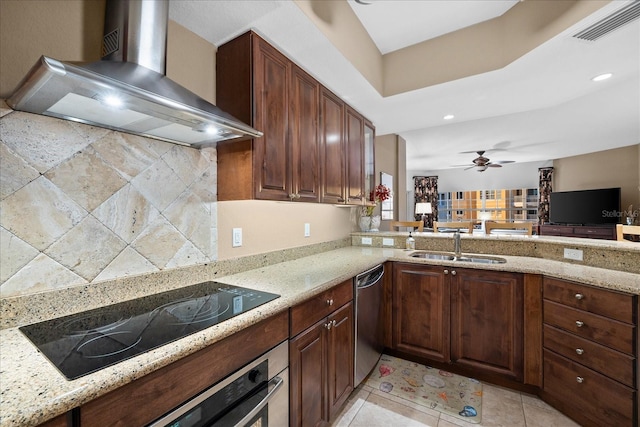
[(340, 350), (307, 376), (421, 302), (332, 153), (487, 321), (271, 162), (303, 133), (355, 155)]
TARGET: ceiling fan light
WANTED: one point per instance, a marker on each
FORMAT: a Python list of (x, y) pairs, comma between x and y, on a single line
[(602, 77)]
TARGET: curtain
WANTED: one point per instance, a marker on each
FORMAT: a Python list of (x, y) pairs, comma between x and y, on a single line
[(426, 190), (544, 192)]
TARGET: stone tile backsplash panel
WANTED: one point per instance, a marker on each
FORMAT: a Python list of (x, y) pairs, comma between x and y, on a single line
[(81, 204)]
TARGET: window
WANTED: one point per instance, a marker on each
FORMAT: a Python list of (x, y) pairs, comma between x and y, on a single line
[(519, 204)]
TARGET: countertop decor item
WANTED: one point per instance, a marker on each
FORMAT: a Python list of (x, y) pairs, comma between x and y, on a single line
[(368, 221)]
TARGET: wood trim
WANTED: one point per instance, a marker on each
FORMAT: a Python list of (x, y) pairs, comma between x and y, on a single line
[(170, 386), (533, 329)]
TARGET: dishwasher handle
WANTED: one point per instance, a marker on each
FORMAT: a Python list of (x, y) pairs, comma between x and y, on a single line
[(370, 277)]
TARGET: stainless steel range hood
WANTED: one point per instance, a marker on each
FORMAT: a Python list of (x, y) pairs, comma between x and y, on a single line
[(128, 90)]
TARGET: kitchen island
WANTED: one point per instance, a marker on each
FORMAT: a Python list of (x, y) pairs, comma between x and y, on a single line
[(33, 391)]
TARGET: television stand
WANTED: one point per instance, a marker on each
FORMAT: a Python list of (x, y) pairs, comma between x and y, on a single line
[(605, 232)]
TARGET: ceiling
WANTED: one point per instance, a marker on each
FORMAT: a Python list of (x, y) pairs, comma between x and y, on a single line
[(540, 107)]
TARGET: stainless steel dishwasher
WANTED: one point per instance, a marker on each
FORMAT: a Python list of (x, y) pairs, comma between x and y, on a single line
[(368, 319)]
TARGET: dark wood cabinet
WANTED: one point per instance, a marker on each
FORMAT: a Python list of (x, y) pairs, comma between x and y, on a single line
[(59, 421), (590, 353), (487, 321), (354, 144), (606, 232), (253, 85), (304, 115), (321, 356), (421, 307), (471, 318), (332, 149), (313, 147)]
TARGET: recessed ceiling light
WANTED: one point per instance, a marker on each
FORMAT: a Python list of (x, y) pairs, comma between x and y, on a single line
[(602, 77), (448, 117)]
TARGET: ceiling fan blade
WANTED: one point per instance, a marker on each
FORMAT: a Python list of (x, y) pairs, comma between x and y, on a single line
[(505, 161), (470, 167), (493, 165)]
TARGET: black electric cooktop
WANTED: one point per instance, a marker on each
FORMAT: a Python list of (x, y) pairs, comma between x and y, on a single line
[(92, 340)]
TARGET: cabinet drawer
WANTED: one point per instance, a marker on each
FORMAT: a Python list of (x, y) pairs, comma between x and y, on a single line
[(611, 333), (589, 396), (615, 305), (309, 312), (611, 363)]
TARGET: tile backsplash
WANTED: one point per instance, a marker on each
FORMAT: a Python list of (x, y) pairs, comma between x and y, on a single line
[(81, 204)]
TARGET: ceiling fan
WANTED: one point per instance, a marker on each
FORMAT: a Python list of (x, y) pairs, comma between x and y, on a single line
[(482, 163)]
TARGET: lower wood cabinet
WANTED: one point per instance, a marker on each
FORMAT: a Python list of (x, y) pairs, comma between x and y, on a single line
[(590, 353), (59, 421), (321, 359), (469, 318)]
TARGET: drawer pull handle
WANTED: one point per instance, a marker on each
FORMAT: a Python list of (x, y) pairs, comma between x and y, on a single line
[(579, 297), (446, 272), (334, 323), (579, 324), (580, 380), (453, 272), (330, 301), (579, 351), (328, 325)]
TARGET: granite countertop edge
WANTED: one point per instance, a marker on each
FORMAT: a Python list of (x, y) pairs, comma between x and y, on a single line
[(33, 391)]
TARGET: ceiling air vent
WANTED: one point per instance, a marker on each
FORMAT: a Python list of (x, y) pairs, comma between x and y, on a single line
[(610, 23), (110, 43)]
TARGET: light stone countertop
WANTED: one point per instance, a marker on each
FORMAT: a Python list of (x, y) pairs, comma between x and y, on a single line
[(33, 391)]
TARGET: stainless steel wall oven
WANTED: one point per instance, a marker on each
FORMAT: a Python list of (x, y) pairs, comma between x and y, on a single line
[(257, 395)]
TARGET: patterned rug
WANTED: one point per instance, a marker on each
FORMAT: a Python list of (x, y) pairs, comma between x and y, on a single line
[(441, 391)]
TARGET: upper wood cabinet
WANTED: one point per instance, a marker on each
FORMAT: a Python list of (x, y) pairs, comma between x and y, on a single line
[(312, 149), (354, 144), (332, 148)]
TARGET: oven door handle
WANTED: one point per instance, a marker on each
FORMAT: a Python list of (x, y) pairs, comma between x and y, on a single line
[(274, 385)]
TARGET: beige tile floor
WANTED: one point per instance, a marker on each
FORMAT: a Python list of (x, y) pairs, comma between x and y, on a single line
[(501, 407)]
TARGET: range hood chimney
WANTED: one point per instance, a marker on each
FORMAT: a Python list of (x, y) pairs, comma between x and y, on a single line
[(128, 90)]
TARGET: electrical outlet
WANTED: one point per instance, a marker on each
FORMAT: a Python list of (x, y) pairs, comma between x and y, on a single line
[(236, 240), (574, 254), (367, 241), (307, 229), (387, 242)]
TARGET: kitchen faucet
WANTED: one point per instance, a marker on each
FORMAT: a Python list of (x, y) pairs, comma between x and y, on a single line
[(457, 246)]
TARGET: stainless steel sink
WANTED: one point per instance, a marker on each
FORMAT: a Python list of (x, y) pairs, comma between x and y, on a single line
[(444, 256), (433, 255), (481, 259)]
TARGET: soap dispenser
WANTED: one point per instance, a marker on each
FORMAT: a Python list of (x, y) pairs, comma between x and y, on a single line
[(411, 243)]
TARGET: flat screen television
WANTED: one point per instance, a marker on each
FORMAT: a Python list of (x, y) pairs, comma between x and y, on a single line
[(585, 207)]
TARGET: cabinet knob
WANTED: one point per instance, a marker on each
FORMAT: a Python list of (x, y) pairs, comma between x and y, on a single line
[(579, 324), (580, 380), (446, 272), (334, 323), (328, 325), (579, 351), (330, 301), (579, 297), (453, 272)]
